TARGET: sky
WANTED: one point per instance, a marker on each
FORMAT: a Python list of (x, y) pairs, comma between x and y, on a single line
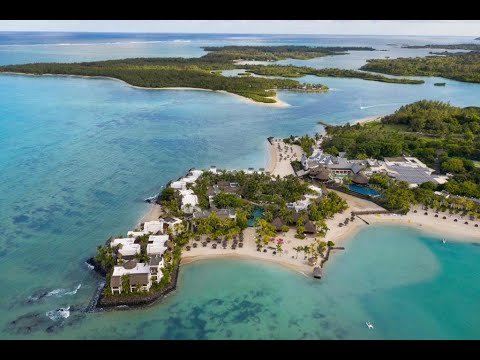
[(354, 27)]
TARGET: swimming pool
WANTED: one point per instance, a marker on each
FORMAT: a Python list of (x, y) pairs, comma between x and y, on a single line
[(256, 213), (365, 190)]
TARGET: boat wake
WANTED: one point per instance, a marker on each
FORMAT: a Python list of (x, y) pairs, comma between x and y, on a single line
[(379, 105)]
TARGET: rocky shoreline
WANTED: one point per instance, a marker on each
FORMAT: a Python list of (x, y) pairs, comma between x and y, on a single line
[(125, 302)]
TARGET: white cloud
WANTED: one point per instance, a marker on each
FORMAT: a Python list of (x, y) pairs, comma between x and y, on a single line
[(373, 27)]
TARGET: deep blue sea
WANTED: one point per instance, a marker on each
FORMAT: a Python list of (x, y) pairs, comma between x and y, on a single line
[(78, 156)]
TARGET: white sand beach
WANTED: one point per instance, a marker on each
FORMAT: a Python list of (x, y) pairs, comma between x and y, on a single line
[(280, 156), (278, 103), (368, 119), (153, 213), (443, 228)]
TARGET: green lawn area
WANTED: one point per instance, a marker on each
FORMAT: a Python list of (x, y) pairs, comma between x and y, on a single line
[(477, 163)]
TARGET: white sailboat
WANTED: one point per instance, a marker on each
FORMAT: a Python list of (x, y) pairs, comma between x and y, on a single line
[(444, 241), (369, 325)]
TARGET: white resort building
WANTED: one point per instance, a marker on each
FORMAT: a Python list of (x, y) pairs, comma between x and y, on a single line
[(139, 277)]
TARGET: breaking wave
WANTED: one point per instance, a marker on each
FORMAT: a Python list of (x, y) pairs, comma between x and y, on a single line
[(58, 314), (63, 292)]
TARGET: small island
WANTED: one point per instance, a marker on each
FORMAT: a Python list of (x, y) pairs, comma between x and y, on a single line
[(456, 66), (440, 84), (294, 213), (205, 72)]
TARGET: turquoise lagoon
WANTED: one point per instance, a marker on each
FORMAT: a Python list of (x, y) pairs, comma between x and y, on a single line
[(78, 156)]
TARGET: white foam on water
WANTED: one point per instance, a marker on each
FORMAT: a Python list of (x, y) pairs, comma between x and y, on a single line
[(58, 314), (63, 292), (90, 267)]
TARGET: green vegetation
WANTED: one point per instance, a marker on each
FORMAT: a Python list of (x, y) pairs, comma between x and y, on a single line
[(457, 66), (445, 137), (305, 142), (215, 227), (326, 207), (473, 47), (395, 195), (204, 72), (299, 71), (273, 53), (225, 200), (256, 187), (440, 84)]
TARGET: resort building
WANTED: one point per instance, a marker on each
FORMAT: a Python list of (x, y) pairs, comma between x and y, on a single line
[(170, 222), (156, 264), (153, 227), (222, 213), (135, 234), (138, 275), (190, 178), (408, 169), (222, 186), (359, 179), (189, 201), (338, 165), (127, 249), (157, 245)]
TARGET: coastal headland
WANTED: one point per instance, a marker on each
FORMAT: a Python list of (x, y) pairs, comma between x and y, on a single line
[(201, 204)]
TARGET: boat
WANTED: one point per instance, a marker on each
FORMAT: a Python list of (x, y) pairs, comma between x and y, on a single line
[(369, 325), (444, 241)]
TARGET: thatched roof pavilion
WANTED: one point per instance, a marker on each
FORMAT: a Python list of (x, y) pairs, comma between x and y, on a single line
[(359, 179), (321, 174), (277, 223), (310, 227)]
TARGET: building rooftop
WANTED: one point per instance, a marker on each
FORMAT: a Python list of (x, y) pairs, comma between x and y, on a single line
[(140, 268), (160, 239), (138, 279), (412, 175), (155, 260)]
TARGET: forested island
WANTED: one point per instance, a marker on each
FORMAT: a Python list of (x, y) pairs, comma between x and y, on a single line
[(445, 137), (274, 53), (473, 47), (456, 66), (204, 72), (299, 71)]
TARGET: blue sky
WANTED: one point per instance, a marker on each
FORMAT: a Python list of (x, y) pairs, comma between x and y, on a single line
[(369, 27)]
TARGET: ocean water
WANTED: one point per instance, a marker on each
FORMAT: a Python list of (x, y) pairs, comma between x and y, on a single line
[(407, 283), (78, 156)]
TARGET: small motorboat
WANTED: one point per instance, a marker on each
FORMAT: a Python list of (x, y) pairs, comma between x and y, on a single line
[(369, 325), (444, 241)]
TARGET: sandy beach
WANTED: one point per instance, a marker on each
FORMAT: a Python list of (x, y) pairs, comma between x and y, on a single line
[(443, 228), (368, 119), (153, 213), (280, 156), (278, 103)]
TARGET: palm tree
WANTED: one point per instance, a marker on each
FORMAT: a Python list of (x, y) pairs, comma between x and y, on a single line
[(297, 249)]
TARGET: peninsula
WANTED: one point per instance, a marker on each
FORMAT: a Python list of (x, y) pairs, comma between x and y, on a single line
[(205, 72), (414, 167)]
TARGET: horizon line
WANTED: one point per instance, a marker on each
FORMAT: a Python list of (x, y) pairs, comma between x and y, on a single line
[(230, 33)]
